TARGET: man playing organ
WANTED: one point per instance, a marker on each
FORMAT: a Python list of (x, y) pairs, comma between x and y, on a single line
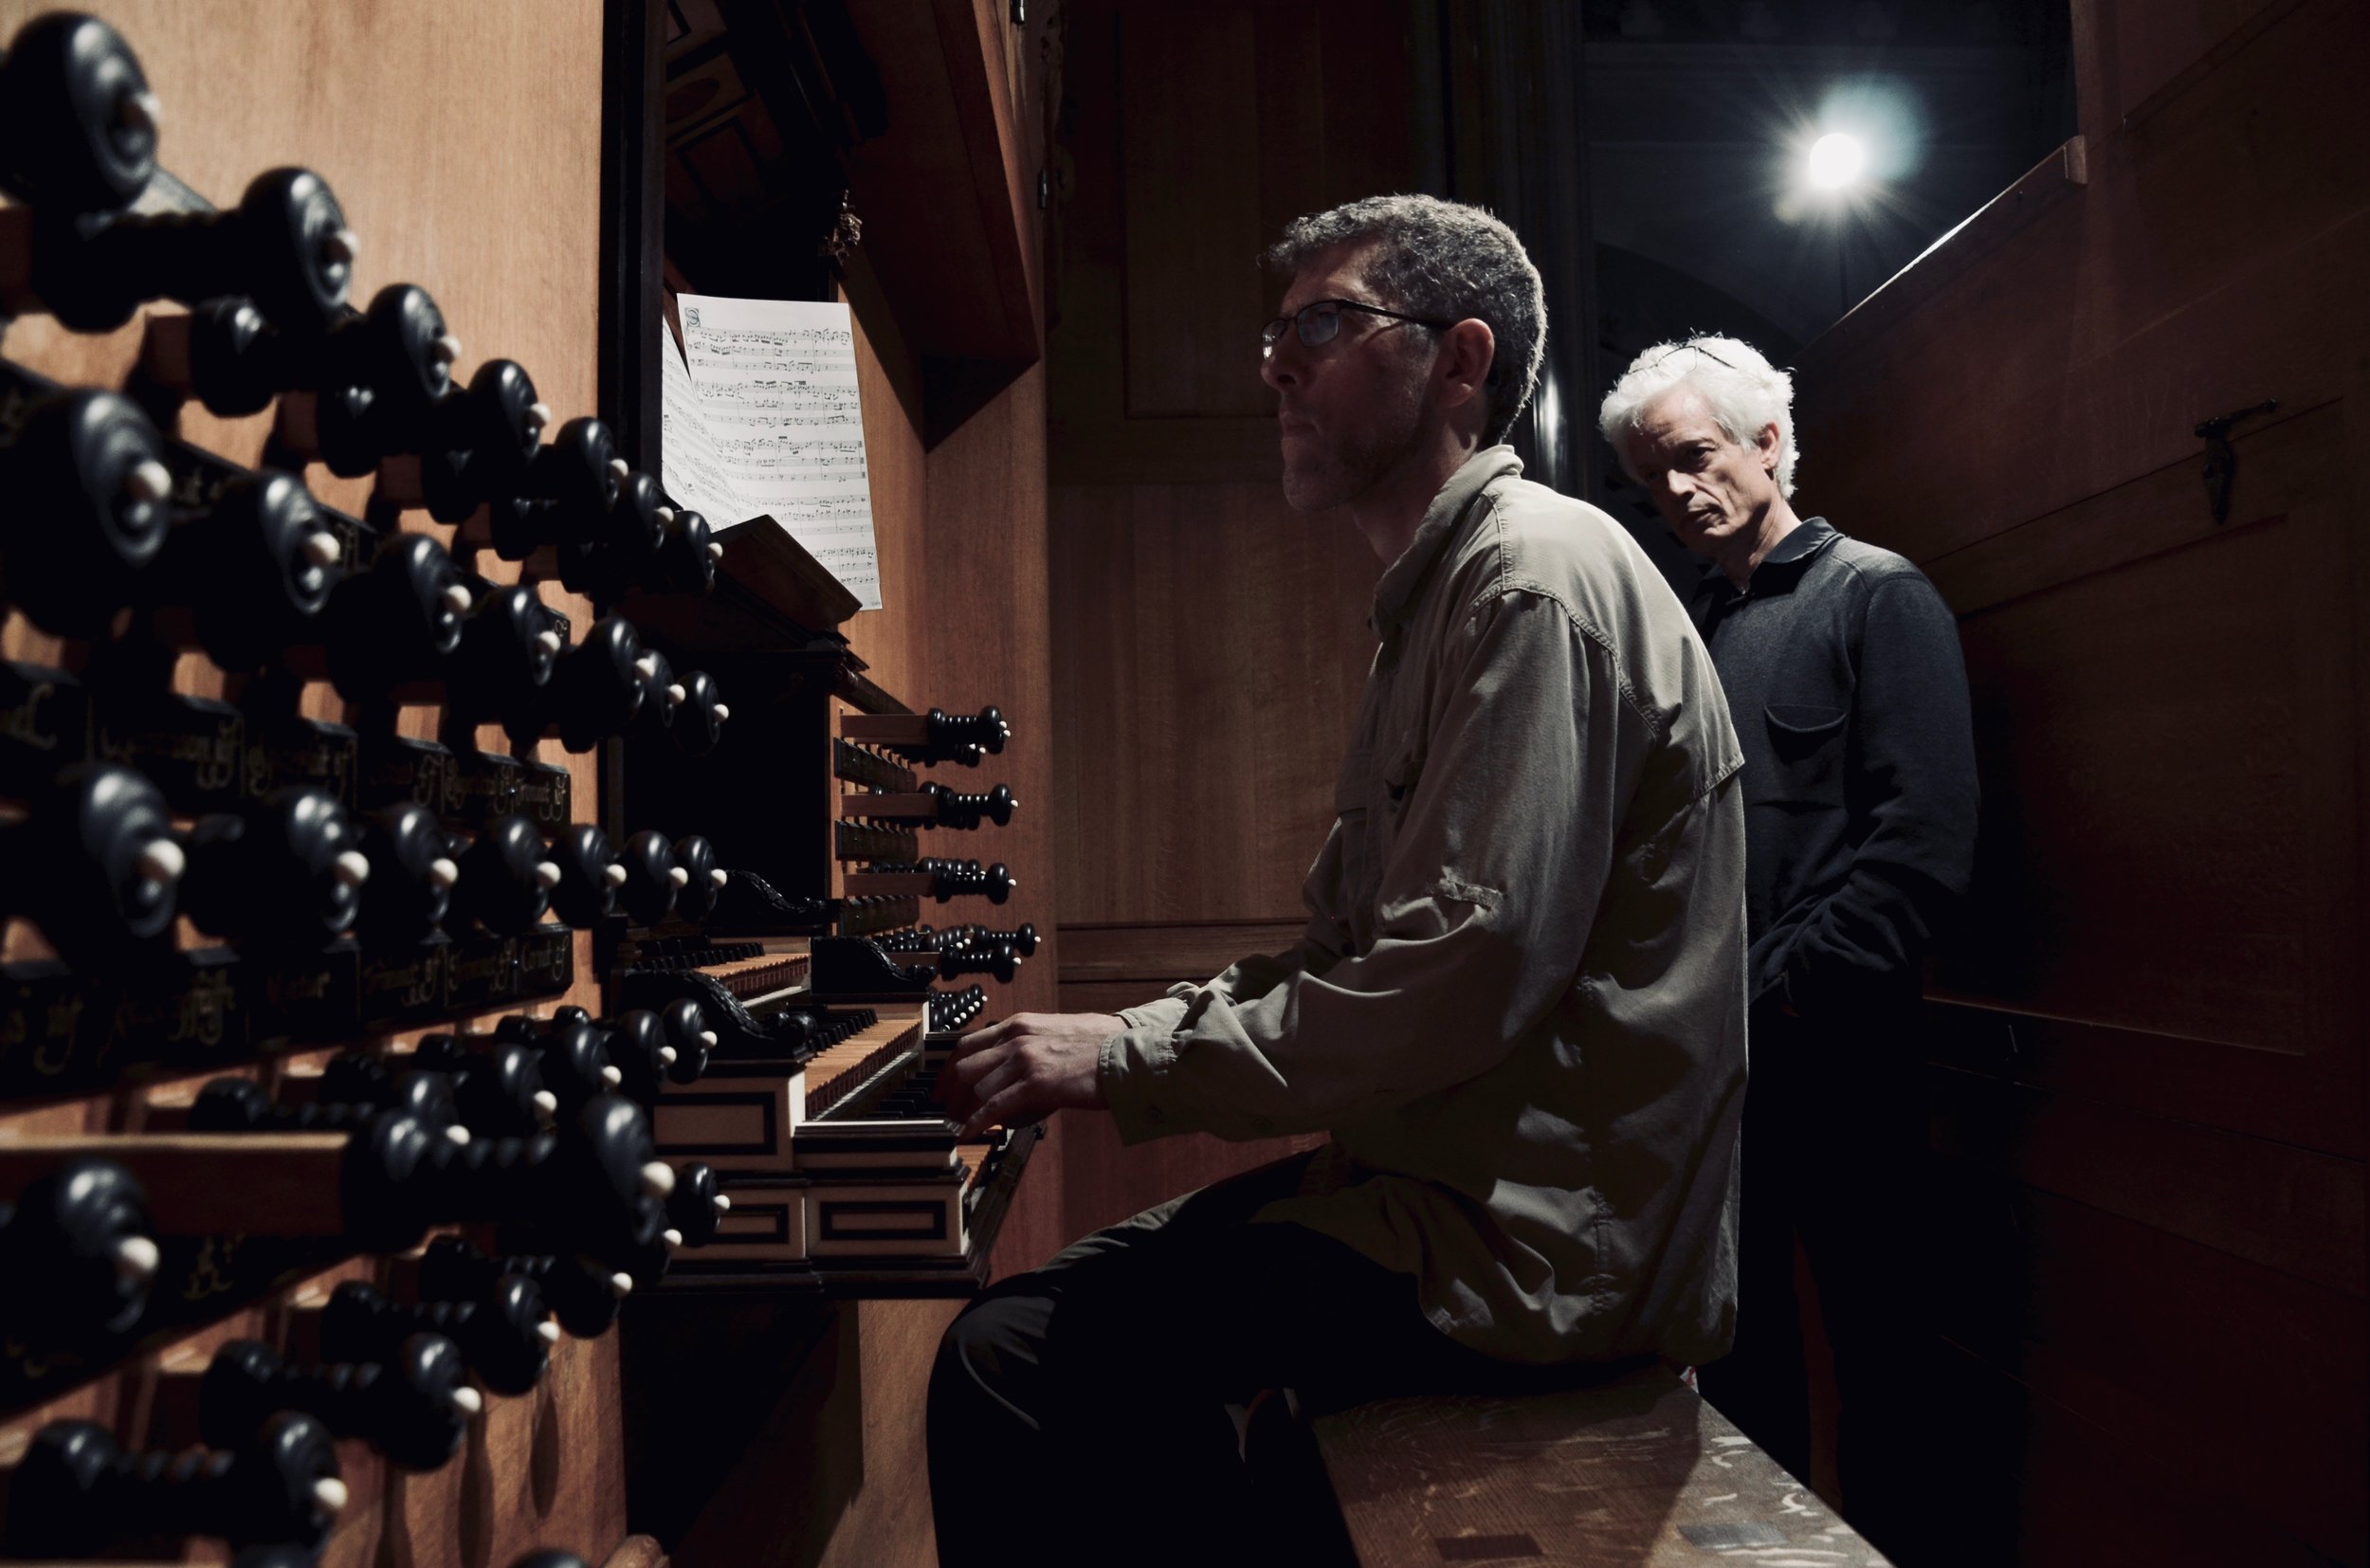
[(1519, 1007)]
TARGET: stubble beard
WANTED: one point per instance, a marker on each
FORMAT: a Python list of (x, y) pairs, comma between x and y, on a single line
[(1329, 473)]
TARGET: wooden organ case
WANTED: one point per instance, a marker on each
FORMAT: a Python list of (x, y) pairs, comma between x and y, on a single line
[(456, 901)]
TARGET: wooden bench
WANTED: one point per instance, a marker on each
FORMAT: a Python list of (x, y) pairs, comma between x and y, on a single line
[(1640, 1473)]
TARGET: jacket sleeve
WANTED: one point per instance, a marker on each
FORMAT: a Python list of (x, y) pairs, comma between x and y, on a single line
[(1482, 910), (1912, 781)]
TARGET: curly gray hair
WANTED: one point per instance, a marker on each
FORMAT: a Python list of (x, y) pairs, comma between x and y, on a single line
[(1446, 261), (1745, 391)]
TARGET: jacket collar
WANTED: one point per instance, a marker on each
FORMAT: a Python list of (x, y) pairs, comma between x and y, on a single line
[(1395, 593)]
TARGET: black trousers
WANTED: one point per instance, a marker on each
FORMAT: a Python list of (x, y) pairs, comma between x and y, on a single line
[(1078, 1412), (1834, 1156)]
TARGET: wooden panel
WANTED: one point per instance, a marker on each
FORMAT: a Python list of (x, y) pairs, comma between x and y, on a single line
[(2111, 709), (2180, 38), (1209, 648), (1239, 117), (1160, 954), (2113, 324), (2106, 1316), (2151, 1117), (1643, 1473), (894, 639)]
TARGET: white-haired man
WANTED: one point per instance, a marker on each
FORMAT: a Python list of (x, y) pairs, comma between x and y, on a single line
[(1519, 1006), (1842, 667)]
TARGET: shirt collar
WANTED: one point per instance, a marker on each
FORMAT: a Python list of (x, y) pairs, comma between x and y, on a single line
[(1782, 568), (1402, 577)]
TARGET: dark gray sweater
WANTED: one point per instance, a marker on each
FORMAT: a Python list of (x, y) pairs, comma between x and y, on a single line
[(1842, 668)]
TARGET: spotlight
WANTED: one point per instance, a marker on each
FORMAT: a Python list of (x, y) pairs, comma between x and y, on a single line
[(1837, 160)]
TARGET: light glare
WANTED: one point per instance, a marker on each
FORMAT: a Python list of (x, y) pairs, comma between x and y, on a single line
[(1837, 160)]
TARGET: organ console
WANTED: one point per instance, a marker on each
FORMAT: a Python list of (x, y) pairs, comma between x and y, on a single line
[(356, 1081)]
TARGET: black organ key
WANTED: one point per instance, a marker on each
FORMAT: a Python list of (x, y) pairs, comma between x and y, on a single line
[(286, 247), (97, 866), (504, 1332), (76, 1259), (88, 509), (286, 872), (543, 1559), (78, 1491), (414, 1407), (78, 120)]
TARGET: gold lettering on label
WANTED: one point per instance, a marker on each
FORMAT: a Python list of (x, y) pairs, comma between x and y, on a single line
[(25, 724)]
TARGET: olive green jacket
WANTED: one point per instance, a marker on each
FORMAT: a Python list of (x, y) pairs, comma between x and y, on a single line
[(1519, 1004)]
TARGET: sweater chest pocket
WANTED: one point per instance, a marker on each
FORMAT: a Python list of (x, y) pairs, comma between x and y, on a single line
[(1806, 749)]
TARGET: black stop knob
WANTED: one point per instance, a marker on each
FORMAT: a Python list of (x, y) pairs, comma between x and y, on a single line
[(77, 122), (254, 571), (509, 642), (87, 511), (412, 875), (697, 721), (704, 879), (595, 688), (589, 877), (414, 1408), (504, 1332), (653, 878), (698, 1205), (99, 869), (76, 1258), (506, 878), (77, 1490), (397, 623), (289, 871)]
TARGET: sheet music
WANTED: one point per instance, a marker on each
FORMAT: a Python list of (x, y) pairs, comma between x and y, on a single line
[(690, 470), (776, 379)]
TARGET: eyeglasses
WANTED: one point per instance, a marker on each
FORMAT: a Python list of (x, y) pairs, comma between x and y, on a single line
[(1695, 345), (1320, 321)]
